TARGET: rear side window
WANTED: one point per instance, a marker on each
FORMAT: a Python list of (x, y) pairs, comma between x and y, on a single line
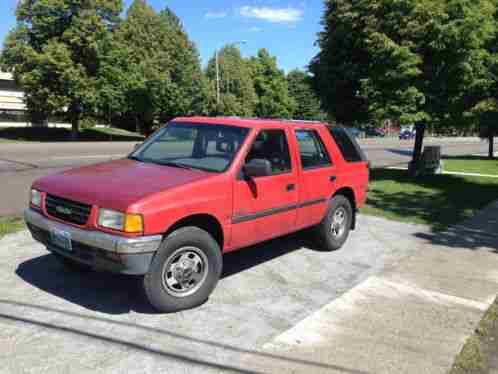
[(351, 151), (312, 150)]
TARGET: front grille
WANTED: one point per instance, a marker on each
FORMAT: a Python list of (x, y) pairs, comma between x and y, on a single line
[(67, 210)]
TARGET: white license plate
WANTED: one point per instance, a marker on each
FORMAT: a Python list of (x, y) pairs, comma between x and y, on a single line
[(61, 239)]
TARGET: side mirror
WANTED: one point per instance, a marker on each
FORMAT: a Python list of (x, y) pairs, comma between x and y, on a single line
[(257, 168)]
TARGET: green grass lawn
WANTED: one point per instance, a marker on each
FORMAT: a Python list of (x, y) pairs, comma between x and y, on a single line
[(438, 200), (41, 134), (471, 164), (10, 225), (480, 347)]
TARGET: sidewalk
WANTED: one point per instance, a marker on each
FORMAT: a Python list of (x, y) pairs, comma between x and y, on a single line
[(412, 318)]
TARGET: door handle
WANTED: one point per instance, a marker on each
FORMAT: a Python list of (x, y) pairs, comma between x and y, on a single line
[(291, 187), (333, 178)]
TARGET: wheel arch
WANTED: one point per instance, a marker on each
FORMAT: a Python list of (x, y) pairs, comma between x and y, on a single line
[(204, 221), (348, 193)]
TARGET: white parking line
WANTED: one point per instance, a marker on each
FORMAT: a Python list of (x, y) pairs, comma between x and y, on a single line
[(453, 173), (483, 154), (470, 174)]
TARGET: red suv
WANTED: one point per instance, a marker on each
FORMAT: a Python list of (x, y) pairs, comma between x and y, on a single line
[(198, 188)]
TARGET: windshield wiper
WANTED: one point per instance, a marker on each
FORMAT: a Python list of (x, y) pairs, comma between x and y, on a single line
[(135, 158), (174, 164)]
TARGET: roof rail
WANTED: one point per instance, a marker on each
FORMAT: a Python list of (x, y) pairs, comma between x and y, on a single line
[(273, 119)]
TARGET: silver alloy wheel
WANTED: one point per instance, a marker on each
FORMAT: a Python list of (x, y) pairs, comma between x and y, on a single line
[(185, 271), (339, 221)]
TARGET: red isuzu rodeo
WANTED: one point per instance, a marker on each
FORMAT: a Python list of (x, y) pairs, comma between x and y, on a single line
[(197, 188)]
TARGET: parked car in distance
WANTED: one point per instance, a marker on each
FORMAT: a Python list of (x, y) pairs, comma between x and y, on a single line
[(406, 134), (196, 189), (375, 133)]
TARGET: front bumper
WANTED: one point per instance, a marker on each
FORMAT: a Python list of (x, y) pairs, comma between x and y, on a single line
[(100, 250)]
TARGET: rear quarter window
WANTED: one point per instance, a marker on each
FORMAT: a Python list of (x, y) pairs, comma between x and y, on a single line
[(350, 149)]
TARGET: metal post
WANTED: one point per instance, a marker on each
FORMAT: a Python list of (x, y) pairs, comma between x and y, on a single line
[(417, 148), (217, 79)]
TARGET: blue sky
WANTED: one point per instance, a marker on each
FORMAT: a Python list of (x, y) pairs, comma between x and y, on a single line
[(286, 28)]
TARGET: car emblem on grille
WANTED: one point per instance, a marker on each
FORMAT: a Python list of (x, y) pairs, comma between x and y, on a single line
[(63, 210)]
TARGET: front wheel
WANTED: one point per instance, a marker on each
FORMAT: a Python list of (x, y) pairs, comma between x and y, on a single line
[(333, 231), (184, 271)]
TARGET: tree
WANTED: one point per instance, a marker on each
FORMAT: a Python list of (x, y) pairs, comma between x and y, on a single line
[(271, 87), (307, 103), (486, 114), (407, 60), (150, 70), (237, 95), (130, 69), (188, 81), (53, 54)]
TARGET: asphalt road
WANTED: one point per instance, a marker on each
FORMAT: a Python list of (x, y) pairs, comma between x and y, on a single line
[(22, 163)]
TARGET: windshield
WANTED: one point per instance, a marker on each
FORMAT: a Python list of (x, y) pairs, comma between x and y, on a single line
[(194, 146)]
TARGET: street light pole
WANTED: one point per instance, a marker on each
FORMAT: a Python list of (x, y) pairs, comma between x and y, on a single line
[(218, 70), (217, 79)]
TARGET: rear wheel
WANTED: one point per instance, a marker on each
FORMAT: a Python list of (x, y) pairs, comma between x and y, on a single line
[(184, 271), (333, 231)]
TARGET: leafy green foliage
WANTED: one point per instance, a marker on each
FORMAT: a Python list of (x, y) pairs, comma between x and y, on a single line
[(150, 70), (237, 95), (407, 60), (54, 54), (307, 104), (271, 87), (80, 61)]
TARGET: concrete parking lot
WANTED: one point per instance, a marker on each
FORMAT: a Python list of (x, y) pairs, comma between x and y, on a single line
[(55, 321)]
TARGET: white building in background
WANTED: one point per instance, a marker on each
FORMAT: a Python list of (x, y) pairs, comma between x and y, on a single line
[(12, 106)]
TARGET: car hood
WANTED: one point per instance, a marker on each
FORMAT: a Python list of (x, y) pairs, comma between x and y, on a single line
[(117, 184)]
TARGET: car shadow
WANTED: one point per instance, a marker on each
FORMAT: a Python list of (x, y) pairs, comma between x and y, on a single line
[(119, 294)]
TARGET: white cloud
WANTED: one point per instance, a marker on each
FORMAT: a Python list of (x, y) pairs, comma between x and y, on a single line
[(275, 15), (255, 29), (216, 14)]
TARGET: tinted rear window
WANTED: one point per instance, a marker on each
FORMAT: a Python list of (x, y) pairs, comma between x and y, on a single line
[(350, 149)]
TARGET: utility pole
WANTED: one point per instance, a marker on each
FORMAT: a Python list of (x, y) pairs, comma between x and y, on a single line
[(218, 70), (217, 79)]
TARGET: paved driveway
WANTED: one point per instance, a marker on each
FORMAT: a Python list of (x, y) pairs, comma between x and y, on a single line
[(54, 321)]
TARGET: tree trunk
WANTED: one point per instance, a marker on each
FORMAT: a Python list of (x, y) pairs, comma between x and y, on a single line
[(75, 127), (417, 148), (138, 128), (491, 151)]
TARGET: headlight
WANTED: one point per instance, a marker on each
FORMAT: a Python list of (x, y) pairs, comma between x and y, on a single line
[(132, 223), (35, 198)]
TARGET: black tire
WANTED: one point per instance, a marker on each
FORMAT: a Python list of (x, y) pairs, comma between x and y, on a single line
[(330, 239), (163, 296), (73, 265)]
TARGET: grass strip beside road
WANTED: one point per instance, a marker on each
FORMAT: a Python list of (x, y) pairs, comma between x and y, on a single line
[(479, 354), (471, 164), (52, 134), (438, 201), (10, 226)]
